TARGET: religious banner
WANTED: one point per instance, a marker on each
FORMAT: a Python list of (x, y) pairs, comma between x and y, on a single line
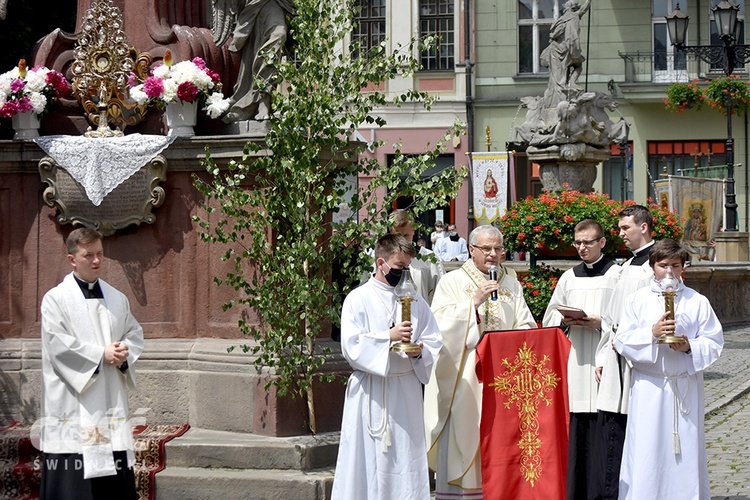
[(350, 183), (525, 413), (700, 202), (490, 181), (661, 187)]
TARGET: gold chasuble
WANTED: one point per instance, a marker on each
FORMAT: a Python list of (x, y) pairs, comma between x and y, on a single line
[(524, 424)]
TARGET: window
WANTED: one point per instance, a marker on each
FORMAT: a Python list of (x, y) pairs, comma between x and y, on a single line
[(436, 19), (535, 17), (669, 65), (715, 40), (617, 179), (689, 158), (446, 213), (369, 26)]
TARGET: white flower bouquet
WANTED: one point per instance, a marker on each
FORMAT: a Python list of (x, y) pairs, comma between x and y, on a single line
[(187, 81), (35, 90)]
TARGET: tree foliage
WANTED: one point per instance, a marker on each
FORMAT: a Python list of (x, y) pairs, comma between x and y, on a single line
[(275, 210)]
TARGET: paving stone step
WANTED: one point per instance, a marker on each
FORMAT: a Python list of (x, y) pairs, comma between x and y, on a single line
[(192, 483), (205, 448)]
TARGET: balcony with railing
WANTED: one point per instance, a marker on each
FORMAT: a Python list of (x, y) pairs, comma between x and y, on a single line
[(663, 67)]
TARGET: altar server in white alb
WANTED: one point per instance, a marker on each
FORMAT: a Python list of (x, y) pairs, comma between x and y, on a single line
[(382, 451), (588, 286), (90, 345), (665, 450)]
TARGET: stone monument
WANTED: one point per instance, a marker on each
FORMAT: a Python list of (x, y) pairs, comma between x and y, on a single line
[(568, 130), (258, 28)]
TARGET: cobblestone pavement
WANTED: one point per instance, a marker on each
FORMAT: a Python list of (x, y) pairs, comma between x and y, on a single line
[(728, 417)]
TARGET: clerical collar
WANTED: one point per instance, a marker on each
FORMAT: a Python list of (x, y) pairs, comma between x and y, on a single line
[(90, 290), (640, 256), (598, 268), (591, 266)]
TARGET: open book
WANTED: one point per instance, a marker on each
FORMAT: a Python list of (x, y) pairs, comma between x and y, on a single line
[(571, 312)]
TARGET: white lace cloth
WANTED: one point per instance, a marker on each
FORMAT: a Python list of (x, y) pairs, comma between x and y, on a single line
[(101, 164)]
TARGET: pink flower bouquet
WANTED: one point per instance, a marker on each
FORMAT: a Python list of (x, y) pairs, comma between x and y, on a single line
[(187, 81), (35, 90)]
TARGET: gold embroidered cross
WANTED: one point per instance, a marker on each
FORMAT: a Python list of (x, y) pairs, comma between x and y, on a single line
[(526, 383), (94, 437)]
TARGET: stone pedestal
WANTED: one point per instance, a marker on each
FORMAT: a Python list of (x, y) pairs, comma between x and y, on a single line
[(185, 374), (732, 246), (569, 166)]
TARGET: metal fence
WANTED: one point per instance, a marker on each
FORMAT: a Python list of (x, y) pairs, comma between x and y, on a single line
[(663, 67)]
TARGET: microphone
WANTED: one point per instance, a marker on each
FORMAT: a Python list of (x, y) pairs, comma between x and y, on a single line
[(493, 276)]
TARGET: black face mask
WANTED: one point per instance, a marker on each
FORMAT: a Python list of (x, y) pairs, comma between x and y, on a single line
[(393, 276)]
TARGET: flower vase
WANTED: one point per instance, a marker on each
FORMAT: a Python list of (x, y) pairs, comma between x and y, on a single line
[(26, 125), (181, 118)]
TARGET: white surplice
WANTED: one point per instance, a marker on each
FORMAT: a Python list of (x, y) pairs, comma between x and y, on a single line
[(453, 398), (382, 451), (426, 273), (447, 249), (589, 289), (84, 410), (613, 393), (665, 449)]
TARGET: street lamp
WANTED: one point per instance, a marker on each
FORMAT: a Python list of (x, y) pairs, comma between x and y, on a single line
[(728, 55)]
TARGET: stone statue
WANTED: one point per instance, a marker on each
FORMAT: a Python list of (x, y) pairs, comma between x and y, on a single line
[(3, 9), (568, 131), (257, 27), (563, 55)]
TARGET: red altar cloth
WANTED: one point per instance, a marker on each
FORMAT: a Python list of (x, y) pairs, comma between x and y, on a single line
[(525, 413)]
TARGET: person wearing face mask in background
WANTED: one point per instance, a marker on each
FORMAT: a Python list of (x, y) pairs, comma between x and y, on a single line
[(452, 248), (453, 397), (438, 233), (382, 430), (665, 450)]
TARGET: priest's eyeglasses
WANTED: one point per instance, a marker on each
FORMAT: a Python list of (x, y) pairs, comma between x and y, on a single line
[(586, 243), (488, 250)]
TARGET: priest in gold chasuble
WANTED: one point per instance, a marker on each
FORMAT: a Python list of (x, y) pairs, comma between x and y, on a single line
[(464, 310)]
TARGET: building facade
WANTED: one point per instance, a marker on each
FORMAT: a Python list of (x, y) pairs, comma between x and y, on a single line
[(443, 74), (628, 54)]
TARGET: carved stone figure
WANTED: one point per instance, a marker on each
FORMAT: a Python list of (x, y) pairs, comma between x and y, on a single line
[(257, 28), (581, 119), (3, 9), (563, 55), (152, 27), (568, 130)]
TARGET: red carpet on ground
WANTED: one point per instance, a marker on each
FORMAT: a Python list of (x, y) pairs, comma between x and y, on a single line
[(150, 458), (20, 461)]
